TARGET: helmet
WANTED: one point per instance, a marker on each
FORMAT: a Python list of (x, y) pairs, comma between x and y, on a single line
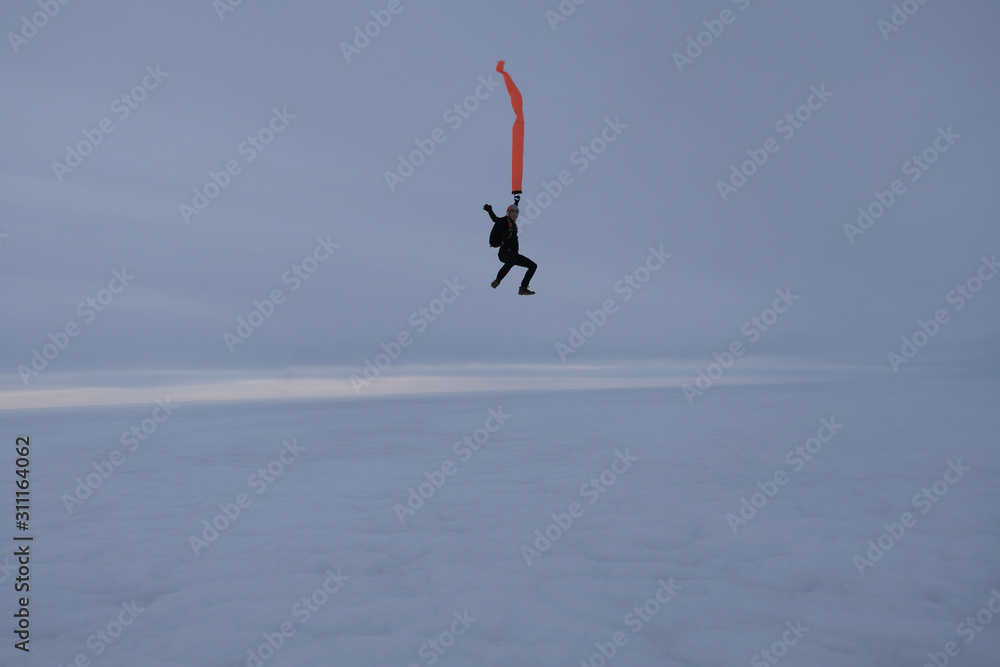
[(512, 208)]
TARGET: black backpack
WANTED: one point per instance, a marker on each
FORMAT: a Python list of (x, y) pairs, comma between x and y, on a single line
[(499, 233)]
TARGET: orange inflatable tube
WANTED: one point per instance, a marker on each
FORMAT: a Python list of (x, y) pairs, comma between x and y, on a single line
[(517, 150)]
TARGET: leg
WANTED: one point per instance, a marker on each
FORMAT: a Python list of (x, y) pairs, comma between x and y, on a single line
[(505, 269), (521, 260)]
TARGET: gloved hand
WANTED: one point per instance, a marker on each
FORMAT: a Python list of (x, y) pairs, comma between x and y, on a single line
[(488, 207)]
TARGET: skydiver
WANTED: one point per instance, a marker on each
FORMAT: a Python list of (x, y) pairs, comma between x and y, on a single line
[(504, 236)]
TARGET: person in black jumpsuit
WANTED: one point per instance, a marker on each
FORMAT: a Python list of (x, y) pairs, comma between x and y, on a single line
[(508, 253)]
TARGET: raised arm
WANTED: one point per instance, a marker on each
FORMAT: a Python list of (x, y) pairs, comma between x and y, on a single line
[(489, 209)]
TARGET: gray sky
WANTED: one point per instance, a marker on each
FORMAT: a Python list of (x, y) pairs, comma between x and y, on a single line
[(279, 71)]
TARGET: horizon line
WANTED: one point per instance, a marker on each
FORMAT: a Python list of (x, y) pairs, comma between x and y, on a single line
[(129, 388)]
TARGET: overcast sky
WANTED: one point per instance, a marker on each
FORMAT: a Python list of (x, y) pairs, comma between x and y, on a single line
[(99, 193)]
